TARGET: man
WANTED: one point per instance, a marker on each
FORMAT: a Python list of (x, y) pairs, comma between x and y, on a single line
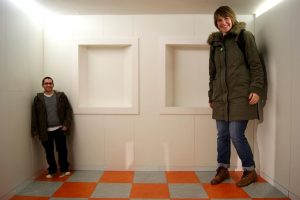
[(51, 120)]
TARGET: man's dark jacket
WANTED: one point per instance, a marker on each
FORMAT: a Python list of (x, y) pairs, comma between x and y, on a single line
[(39, 115)]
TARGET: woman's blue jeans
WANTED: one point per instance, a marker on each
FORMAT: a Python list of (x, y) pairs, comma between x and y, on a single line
[(234, 130)]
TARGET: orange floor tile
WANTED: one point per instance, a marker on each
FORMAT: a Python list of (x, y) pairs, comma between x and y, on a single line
[(181, 177), (78, 190), (225, 190), (117, 177), (150, 191)]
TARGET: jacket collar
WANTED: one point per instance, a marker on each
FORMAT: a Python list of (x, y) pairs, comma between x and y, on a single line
[(40, 95)]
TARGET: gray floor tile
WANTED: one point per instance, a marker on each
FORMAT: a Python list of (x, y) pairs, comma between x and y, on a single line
[(263, 190), (232, 199), (85, 176), (112, 190), (147, 199), (149, 177), (187, 191), (40, 188), (206, 176)]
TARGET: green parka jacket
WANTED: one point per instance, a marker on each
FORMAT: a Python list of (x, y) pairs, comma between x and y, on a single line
[(39, 115), (233, 76)]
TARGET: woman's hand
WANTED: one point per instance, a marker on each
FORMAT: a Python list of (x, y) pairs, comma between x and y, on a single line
[(253, 98)]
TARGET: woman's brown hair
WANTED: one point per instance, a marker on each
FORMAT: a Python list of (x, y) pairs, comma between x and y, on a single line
[(225, 11)]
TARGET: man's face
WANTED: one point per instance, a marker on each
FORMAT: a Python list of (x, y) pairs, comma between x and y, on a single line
[(48, 85)]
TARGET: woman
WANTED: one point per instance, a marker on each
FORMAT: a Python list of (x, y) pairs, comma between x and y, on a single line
[(236, 80)]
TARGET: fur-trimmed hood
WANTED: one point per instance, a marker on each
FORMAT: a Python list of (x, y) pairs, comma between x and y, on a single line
[(235, 30)]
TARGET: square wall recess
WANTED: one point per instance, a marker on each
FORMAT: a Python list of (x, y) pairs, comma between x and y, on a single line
[(106, 79), (184, 77)]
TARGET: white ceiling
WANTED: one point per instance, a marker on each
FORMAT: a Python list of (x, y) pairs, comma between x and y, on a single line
[(95, 7)]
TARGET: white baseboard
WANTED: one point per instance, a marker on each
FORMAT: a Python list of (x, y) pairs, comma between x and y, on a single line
[(281, 188), (20, 187), (292, 196)]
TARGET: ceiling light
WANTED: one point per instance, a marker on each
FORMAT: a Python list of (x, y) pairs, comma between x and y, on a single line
[(265, 6), (33, 9)]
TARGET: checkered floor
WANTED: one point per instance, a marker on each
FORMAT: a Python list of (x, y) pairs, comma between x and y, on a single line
[(124, 185)]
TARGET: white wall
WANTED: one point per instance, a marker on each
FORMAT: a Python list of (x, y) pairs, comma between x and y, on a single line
[(277, 33), (21, 56), (149, 140)]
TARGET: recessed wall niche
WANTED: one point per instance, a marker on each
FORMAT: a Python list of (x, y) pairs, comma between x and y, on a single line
[(106, 79), (184, 76)]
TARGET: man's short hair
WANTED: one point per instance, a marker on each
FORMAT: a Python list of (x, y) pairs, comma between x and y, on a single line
[(47, 77)]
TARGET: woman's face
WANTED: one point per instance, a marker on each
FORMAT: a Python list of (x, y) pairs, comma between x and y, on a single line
[(224, 24)]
